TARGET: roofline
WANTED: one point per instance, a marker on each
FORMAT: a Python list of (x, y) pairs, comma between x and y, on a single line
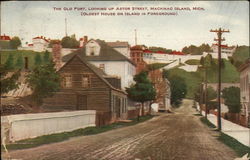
[(86, 63)]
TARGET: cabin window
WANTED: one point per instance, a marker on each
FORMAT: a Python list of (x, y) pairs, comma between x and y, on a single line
[(85, 81), (67, 81)]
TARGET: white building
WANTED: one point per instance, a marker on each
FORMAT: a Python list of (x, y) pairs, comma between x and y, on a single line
[(39, 44), (100, 54), (122, 47), (245, 90), (224, 49)]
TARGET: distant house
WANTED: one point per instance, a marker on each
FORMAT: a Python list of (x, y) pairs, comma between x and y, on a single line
[(122, 47), (86, 87), (5, 38), (39, 44), (229, 50), (244, 70), (103, 56), (5, 42)]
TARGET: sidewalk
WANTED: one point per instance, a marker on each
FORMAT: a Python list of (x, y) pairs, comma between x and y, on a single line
[(242, 134)]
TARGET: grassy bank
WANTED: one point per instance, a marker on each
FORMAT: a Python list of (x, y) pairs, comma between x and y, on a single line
[(239, 148), (58, 137), (23, 53)]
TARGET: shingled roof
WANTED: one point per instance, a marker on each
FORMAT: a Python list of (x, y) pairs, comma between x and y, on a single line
[(99, 72), (107, 53)]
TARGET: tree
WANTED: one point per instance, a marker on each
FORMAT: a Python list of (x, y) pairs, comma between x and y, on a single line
[(19, 62), (9, 64), (69, 42), (231, 96), (8, 83), (38, 60), (46, 57), (142, 90), (15, 42), (178, 90), (156, 49), (211, 95), (44, 81)]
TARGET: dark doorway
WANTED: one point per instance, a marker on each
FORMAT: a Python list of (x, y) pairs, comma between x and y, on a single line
[(118, 107), (26, 63), (82, 102)]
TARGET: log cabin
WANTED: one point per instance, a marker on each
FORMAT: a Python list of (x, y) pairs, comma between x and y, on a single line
[(86, 87)]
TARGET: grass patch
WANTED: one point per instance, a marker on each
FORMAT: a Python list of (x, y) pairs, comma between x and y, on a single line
[(24, 53), (239, 148), (197, 114), (193, 62), (207, 122), (58, 137)]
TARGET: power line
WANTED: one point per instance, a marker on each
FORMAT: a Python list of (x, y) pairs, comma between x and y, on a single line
[(219, 39)]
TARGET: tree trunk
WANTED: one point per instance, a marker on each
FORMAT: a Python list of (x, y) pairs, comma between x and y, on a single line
[(150, 107), (142, 105)]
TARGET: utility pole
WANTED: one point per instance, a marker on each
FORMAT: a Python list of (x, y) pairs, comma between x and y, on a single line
[(135, 37), (66, 34), (206, 92), (219, 34)]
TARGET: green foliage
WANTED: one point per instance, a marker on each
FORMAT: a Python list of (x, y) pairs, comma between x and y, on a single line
[(194, 50), (211, 95), (46, 58), (53, 41), (8, 82), (231, 96), (239, 148), (240, 55), (178, 90), (4, 44), (155, 66), (43, 81), (143, 90), (38, 59), (15, 42), (156, 49), (9, 64), (19, 62), (70, 42), (16, 53)]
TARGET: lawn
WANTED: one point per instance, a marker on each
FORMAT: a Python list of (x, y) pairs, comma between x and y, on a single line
[(24, 53), (194, 79)]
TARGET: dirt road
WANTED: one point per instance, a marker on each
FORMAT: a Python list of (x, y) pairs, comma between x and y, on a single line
[(177, 136)]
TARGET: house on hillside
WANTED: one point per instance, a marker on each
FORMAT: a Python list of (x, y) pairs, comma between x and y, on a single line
[(244, 70), (86, 87), (5, 42), (122, 47), (39, 44), (104, 57), (229, 50)]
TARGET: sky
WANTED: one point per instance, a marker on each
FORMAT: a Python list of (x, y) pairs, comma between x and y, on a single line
[(28, 19)]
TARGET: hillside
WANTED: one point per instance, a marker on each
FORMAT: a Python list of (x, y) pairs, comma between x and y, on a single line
[(24, 53), (194, 79)]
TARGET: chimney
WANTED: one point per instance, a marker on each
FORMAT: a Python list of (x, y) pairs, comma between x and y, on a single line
[(56, 54), (85, 39)]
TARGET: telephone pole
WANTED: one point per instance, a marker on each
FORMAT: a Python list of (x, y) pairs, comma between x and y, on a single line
[(66, 34), (219, 39), (135, 37)]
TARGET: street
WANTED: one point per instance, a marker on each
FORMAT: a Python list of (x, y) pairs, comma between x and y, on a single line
[(170, 136)]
